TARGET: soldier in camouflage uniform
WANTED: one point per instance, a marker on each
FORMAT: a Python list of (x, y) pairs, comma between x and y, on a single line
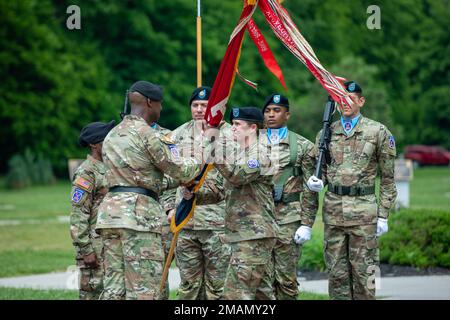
[(250, 226), (129, 217), (168, 205), (359, 149), (202, 257), (88, 190), (296, 165)]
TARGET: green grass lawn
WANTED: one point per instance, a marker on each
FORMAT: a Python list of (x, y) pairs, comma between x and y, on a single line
[(430, 188), (39, 243)]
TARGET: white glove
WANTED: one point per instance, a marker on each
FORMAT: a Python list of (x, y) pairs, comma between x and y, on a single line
[(382, 226), (302, 234), (315, 184)]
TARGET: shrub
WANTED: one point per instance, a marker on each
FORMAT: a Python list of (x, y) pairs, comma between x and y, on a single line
[(25, 170), (17, 177), (418, 238)]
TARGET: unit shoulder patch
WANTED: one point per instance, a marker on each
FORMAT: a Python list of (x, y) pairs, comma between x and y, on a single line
[(77, 195)]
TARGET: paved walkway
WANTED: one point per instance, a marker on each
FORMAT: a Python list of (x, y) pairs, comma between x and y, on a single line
[(398, 288), (391, 288)]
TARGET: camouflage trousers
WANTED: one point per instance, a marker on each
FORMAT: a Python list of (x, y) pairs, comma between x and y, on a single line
[(250, 274), (352, 257), (133, 263), (91, 279), (166, 237), (286, 255), (202, 257)]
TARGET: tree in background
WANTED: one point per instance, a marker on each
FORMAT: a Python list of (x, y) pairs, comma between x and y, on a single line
[(56, 80)]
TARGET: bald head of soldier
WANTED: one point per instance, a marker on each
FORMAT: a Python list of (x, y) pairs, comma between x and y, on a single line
[(146, 100)]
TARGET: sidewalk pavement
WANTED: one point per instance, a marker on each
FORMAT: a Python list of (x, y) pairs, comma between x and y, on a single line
[(391, 288)]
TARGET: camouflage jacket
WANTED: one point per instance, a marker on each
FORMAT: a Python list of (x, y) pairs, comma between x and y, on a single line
[(206, 216), (88, 190), (304, 209), (166, 197), (248, 193), (355, 161), (137, 155)]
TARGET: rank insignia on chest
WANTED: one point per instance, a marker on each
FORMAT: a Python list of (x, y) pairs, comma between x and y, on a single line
[(253, 163), (77, 195), (391, 142)]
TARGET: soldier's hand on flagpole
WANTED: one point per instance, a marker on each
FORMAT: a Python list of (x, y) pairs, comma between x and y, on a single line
[(170, 215)]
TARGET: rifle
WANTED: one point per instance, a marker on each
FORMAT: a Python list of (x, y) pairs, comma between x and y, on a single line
[(324, 152), (125, 106)]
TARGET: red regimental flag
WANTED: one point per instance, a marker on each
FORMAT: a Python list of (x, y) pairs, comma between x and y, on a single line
[(223, 84)]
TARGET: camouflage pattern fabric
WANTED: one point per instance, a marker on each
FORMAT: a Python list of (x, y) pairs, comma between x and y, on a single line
[(250, 274), (138, 156), (88, 190), (249, 185), (191, 142), (133, 264), (351, 221), (202, 258), (286, 255), (166, 201), (250, 226), (304, 209), (291, 215), (352, 257), (355, 161)]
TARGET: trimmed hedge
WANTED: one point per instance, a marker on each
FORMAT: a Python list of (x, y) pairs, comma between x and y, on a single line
[(418, 238)]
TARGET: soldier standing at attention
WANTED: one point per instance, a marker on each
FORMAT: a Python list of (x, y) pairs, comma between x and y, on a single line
[(250, 226), (359, 149), (296, 165), (130, 215), (202, 256), (88, 190)]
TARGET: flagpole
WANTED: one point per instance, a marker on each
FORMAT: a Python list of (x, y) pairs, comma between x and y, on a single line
[(168, 262), (199, 45)]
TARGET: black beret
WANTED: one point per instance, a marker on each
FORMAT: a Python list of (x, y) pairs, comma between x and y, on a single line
[(95, 132), (276, 99), (200, 93), (251, 114), (148, 89), (352, 86)]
